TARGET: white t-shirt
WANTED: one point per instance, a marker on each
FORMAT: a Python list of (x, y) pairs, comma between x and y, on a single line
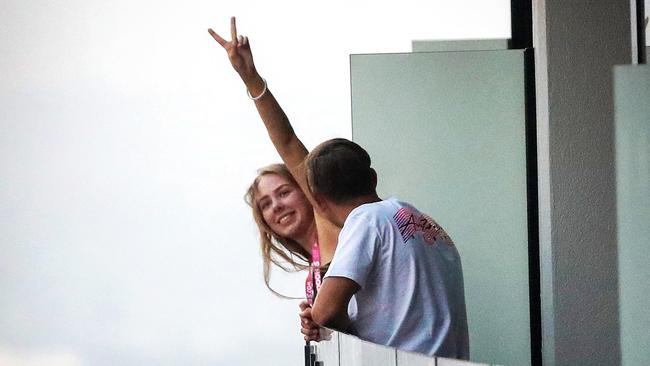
[(411, 294)]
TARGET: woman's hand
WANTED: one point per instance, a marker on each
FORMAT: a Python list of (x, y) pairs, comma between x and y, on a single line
[(239, 53), (310, 329)]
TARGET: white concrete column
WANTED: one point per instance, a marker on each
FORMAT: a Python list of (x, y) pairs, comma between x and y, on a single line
[(576, 45)]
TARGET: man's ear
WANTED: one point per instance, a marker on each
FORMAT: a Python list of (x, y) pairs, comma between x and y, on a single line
[(322, 205), (373, 176), (327, 210)]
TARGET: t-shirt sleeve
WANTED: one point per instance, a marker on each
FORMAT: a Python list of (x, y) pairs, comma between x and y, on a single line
[(355, 253)]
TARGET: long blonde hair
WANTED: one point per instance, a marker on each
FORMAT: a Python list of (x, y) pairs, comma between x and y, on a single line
[(284, 252)]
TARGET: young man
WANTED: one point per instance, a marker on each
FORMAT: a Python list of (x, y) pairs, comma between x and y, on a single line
[(396, 276)]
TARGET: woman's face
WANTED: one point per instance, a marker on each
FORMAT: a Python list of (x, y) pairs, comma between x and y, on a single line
[(284, 207)]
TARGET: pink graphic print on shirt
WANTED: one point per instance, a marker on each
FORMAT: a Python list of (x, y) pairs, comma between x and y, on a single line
[(411, 222)]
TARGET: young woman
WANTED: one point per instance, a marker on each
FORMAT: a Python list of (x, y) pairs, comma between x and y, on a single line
[(286, 231), (285, 219)]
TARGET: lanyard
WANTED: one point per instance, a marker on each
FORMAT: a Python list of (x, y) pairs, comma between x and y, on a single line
[(312, 285), (314, 279)]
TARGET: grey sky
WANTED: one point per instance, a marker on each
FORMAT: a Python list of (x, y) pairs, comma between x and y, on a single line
[(127, 144)]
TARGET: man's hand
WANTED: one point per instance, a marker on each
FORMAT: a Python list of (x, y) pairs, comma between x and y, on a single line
[(331, 305), (239, 53), (308, 327)]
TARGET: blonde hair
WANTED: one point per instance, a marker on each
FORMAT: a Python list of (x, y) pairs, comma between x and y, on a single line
[(284, 252)]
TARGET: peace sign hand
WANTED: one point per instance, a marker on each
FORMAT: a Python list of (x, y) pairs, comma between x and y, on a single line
[(239, 52)]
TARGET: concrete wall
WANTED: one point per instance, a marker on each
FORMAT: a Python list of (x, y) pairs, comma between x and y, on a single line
[(576, 45)]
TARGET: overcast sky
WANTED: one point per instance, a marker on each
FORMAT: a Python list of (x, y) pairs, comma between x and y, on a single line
[(127, 144)]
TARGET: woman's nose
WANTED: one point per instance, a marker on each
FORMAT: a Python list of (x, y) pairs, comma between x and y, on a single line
[(277, 206)]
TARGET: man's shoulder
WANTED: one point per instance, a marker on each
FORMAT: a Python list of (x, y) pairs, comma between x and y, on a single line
[(378, 210), (381, 215)]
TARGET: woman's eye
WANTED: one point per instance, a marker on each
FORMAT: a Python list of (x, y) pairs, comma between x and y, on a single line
[(284, 193), (264, 205)]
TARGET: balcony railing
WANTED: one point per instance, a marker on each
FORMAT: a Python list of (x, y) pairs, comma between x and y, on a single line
[(347, 350)]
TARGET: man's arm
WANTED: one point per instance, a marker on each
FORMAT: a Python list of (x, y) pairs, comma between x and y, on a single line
[(331, 307)]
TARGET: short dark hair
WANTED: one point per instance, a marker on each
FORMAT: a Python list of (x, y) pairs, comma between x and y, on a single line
[(339, 170)]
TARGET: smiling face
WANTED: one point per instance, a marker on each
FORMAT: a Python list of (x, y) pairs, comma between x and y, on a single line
[(284, 207)]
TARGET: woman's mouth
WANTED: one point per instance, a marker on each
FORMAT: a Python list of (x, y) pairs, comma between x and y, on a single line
[(284, 218)]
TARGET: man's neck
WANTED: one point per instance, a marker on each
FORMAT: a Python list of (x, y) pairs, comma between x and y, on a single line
[(342, 211)]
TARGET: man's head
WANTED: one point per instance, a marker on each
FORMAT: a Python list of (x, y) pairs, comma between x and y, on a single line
[(339, 174)]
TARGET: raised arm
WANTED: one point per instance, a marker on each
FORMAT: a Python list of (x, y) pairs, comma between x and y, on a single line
[(291, 149)]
